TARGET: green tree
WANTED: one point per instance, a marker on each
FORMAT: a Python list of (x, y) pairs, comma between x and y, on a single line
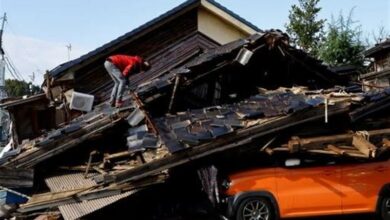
[(304, 28), (17, 88), (343, 44)]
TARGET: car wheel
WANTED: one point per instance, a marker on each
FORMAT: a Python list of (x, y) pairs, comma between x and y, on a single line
[(385, 208), (255, 208)]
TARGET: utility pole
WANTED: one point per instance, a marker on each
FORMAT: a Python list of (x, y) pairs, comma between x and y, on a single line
[(4, 19), (3, 93)]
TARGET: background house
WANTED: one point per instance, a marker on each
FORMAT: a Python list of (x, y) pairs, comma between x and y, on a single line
[(380, 76)]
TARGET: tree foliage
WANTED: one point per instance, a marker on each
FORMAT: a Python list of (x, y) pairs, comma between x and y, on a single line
[(304, 28), (16, 88), (343, 44)]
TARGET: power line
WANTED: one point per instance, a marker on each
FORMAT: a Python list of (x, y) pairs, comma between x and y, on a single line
[(9, 27), (10, 70), (8, 58), (14, 70)]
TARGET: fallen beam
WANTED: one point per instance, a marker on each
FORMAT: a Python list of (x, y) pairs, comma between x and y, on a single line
[(320, 142), (30, 159)]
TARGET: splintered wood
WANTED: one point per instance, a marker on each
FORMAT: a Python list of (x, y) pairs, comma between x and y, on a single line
[(356, 145), (364, 146)]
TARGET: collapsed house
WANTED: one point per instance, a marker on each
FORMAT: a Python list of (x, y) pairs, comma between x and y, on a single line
[(210, 99)]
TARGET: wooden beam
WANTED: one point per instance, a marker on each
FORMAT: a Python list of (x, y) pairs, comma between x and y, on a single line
[(177, 81), (269, 151), (364, 146), (336, 149), (30, 159), (148, 120), (386, 142), (16, 178), (320, 142), (117, 155), (328, 152)]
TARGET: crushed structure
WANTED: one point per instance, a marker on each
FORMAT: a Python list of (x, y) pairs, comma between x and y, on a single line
[(257, 93)]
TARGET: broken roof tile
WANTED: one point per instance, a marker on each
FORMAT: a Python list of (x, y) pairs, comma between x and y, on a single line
[(135, 117)]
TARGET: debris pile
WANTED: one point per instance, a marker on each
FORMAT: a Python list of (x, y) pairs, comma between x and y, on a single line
[(257, 93)]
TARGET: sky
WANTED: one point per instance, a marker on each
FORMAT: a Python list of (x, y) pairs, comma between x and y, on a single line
[(37, 32)]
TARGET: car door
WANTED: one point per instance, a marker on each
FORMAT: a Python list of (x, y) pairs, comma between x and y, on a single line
[(311, 188), (361, 183)]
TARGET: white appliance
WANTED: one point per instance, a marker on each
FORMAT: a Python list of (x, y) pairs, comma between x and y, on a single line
[(81, 101)]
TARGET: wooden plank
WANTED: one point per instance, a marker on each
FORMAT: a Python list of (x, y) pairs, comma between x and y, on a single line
[(269, 151), (323, 141), (280, 149), (117, 155), (32, 159), (318, 151), (177, 81), (148, 120), (364, 146), (386, 142), (336, 149), (356, 154), (16, 178)]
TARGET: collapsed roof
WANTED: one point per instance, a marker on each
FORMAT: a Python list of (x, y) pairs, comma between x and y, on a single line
[(244, 95)]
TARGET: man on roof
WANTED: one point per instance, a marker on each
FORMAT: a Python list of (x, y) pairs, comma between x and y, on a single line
[(120, 68)]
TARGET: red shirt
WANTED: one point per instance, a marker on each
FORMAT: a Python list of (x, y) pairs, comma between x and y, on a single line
[(126, 64)]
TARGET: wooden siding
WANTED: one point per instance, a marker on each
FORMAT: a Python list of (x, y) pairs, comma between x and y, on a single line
[(94, 75), (97, 82)]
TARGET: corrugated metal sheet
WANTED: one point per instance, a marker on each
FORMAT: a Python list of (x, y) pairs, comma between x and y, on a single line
[(75, 181), (69, 182), (78, 210)]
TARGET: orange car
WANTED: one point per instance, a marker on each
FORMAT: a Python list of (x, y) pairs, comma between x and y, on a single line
[(309, 187)]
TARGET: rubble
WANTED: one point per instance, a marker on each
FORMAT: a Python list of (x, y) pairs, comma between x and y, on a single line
[(221, 100)]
